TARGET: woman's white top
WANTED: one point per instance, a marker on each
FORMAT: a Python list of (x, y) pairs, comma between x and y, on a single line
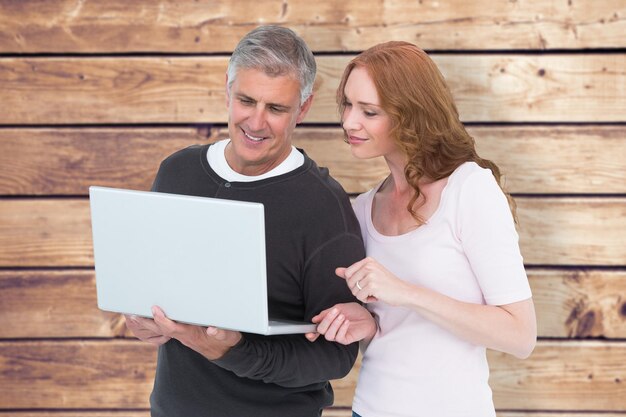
[(468, 250)]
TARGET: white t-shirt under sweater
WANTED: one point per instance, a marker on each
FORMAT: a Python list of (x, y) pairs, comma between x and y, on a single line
[(468, 250), (217, 161)]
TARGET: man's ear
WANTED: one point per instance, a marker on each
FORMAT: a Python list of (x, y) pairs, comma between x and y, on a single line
[(304, 109)]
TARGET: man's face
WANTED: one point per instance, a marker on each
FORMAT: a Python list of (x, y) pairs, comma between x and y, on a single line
[(262, 113)]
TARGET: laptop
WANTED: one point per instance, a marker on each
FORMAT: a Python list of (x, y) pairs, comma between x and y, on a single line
[(202, 260)]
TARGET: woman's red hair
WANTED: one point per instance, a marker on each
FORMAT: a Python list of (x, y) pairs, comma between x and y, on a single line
[(425, 120)]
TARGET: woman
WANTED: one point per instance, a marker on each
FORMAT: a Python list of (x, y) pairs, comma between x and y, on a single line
[(444, 278)]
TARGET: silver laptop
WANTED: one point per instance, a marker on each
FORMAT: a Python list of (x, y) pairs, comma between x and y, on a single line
[(202, 260)]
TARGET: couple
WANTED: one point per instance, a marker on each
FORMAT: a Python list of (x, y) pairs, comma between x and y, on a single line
[(443, 278)]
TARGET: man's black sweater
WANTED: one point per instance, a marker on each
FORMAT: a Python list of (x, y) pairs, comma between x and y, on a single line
[(310, 230)]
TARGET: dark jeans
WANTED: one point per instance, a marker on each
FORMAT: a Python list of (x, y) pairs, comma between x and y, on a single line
[(355, 414)]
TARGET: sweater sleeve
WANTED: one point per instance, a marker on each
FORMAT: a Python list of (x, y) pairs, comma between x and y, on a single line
[(291, 360)]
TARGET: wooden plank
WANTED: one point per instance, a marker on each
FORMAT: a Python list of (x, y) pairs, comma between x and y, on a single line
[(556, 414), (553, 231), (76, 374), (330, 412), (112, 90), (65, 413), (563, 378), (62, 304), (494, 88), (118, 374), (557, 159), (45, 233), (347, 412), (579, 303), (572, 231), (54, 304), (535, 159), (187, 26), (560, 376), (67, 160)]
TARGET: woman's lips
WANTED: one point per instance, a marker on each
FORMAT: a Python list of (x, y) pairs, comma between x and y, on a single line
[(355, 140)]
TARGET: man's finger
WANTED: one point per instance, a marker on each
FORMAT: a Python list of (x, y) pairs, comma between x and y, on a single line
[(331, 333), (312, 337), (323, 326), (343, 332)]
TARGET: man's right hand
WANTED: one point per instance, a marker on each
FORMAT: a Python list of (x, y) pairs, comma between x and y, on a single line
[(344, 323), (145, 330)]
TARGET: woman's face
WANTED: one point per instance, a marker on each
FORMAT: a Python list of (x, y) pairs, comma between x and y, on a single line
[(366, 124)]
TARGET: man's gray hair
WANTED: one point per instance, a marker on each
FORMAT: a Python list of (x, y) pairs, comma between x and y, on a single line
[(276, 51)]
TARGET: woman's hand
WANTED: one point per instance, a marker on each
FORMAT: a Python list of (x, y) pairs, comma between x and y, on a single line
[(344, 323), (369, 281)]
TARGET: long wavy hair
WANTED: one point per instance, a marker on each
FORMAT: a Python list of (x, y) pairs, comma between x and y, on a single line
[(425, 121)]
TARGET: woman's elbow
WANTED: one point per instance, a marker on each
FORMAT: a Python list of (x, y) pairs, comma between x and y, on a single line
[(526, 330), (526, 345)]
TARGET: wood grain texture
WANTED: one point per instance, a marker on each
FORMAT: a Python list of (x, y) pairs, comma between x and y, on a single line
[(534, 159), (558, 376), (62, 304), (66, 161), (118, 374), (579, 303), (330, 412), (553, 231), (493, 88), (586, 380), (112, 90), (572, 231), (326, 25), (43, 232), (76, 374), (81, 413), (347, 412), (54, 304)]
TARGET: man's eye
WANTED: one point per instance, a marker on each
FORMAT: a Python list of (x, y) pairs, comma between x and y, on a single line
[(246, 101), (277, 109)]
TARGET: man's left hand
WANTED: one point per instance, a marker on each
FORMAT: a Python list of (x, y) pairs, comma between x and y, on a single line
[(211, 342)]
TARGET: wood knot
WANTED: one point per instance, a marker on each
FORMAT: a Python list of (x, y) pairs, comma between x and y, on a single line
[(622, 310), (541, 72), (585, 324)]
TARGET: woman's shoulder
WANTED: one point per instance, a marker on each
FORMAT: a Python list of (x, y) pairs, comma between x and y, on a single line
[(472, 176)]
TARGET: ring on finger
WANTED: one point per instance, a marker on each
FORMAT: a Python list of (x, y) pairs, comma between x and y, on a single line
[(358, 286)]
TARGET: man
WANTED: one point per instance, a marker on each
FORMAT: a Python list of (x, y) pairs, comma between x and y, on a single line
[(310, 230)]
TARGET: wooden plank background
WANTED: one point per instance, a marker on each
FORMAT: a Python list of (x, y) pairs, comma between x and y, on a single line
[(98, 93)]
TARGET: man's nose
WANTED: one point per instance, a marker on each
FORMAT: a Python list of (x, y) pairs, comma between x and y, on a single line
[(256, 121)]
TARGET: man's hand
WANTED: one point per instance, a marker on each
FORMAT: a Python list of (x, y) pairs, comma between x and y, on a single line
[(211, 342), (145, 330), (344, 323)]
